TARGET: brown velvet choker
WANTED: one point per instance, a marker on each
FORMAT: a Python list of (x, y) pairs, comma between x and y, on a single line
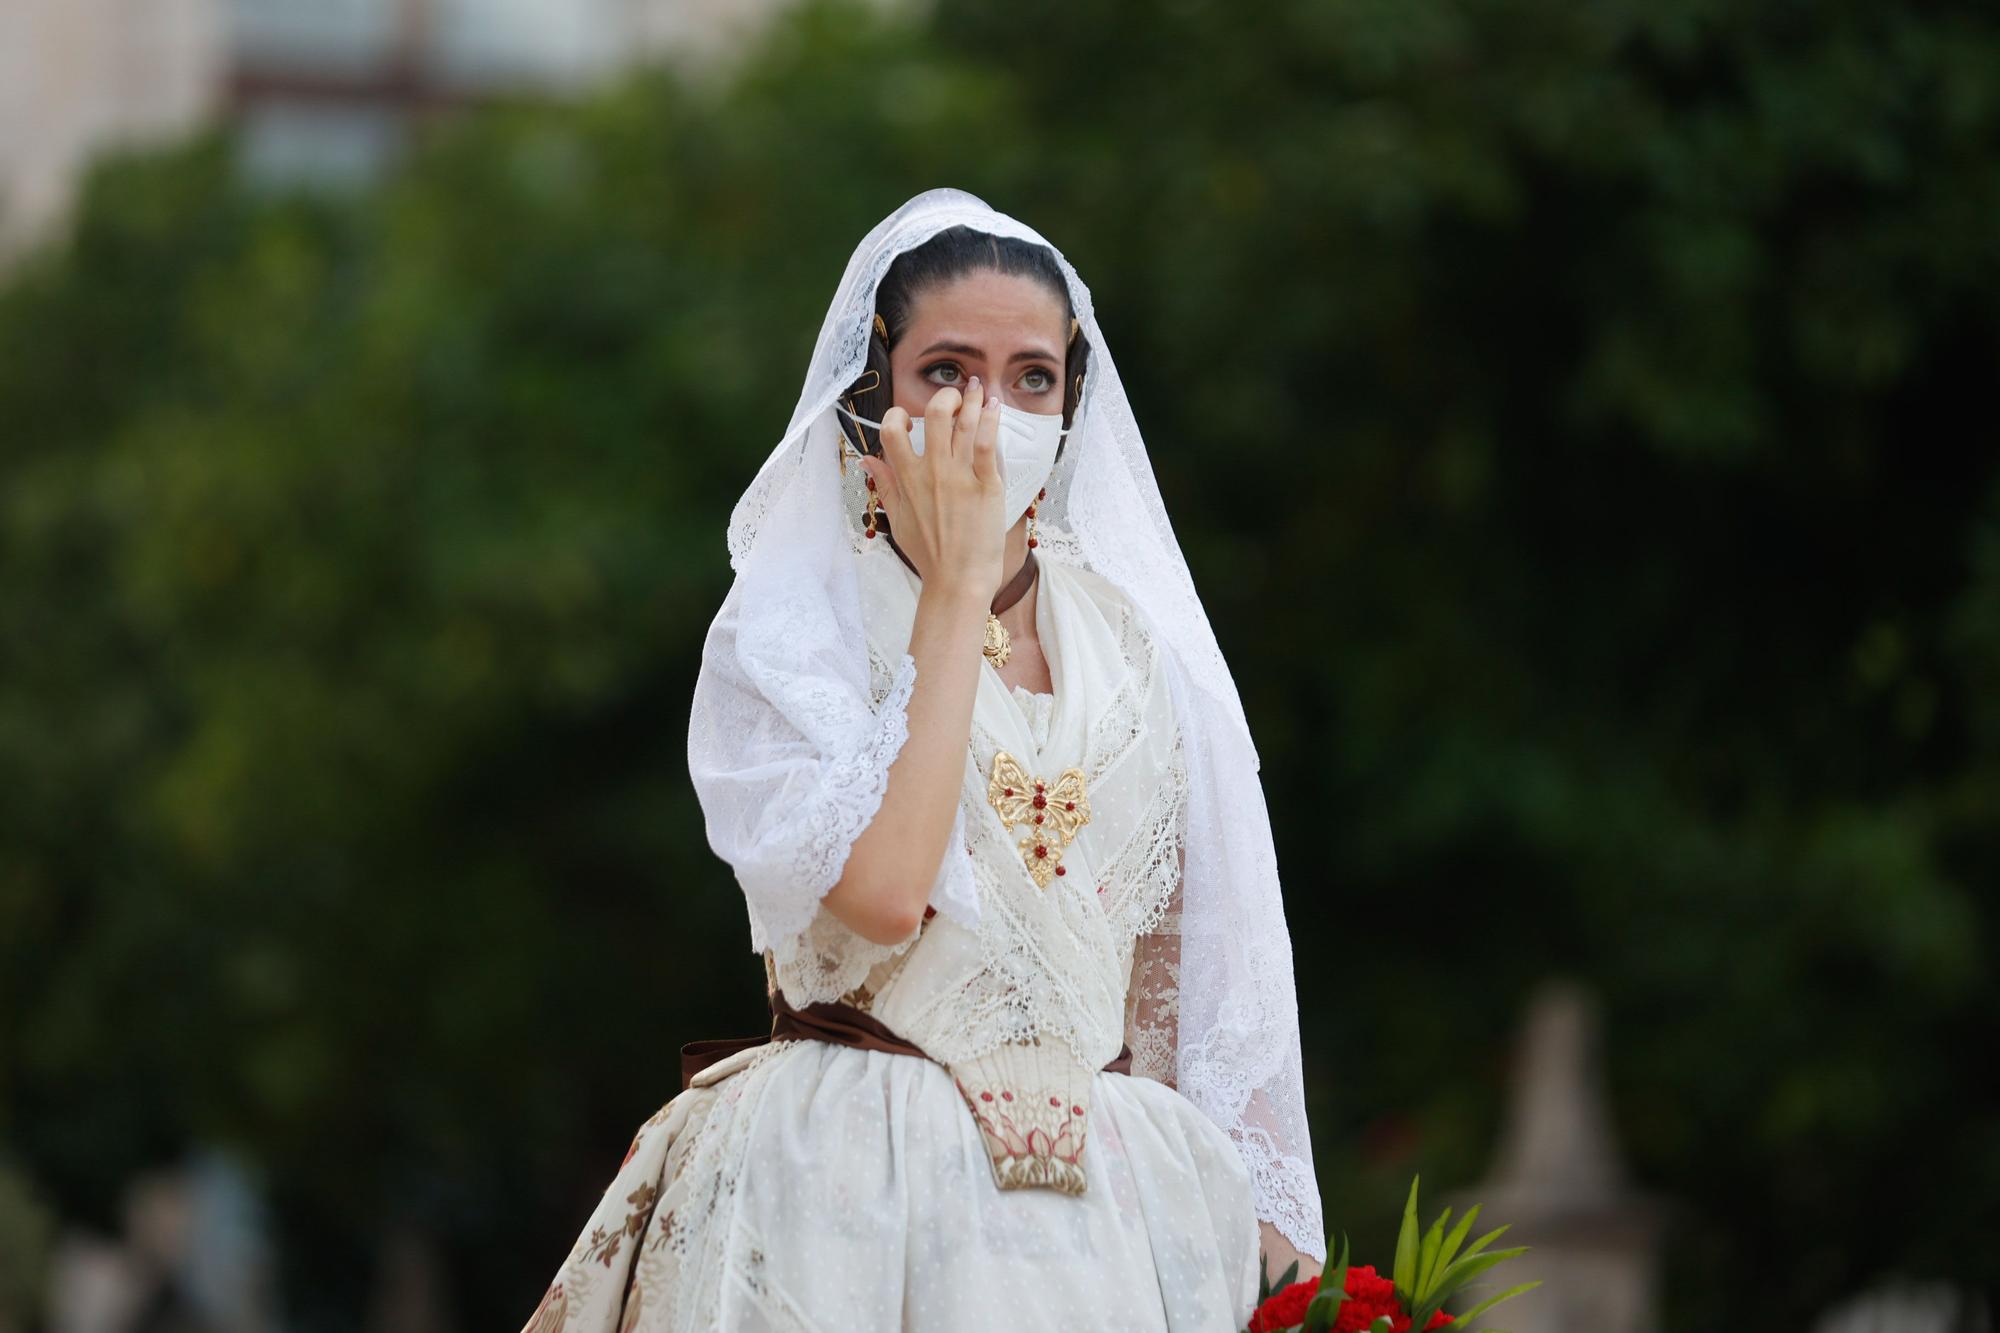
[(1015, 589)]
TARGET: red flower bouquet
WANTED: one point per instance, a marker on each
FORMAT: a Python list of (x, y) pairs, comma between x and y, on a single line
[(1428, 1271)]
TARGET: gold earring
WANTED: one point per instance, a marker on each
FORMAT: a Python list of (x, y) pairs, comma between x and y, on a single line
[(881, 328)]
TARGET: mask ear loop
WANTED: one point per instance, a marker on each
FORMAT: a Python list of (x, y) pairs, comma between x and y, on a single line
[(845, 407)]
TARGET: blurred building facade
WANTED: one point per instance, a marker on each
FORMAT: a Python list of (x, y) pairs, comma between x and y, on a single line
[(77, 76), (322, 90)]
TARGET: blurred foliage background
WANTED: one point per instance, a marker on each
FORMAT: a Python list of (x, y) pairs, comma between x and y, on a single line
[(1573, 415)]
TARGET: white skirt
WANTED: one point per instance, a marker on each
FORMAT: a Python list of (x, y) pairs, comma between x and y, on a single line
[(825, 1187)]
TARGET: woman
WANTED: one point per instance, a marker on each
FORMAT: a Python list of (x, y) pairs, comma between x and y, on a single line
[(964, 735)]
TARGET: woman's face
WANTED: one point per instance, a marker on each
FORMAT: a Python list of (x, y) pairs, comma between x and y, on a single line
[(1007, 329)]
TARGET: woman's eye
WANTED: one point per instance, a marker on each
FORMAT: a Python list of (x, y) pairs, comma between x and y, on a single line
[(944, 365), (1048, 381)]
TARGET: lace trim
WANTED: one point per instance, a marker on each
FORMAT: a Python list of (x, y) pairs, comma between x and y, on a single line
[(1040, 709), (1147, 868), (1120, 725), (1285, 1190)]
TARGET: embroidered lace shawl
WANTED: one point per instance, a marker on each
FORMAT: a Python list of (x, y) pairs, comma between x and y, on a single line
[(1024, 1005)]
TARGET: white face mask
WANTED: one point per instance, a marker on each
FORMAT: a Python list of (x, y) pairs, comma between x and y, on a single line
[(1027, 447)]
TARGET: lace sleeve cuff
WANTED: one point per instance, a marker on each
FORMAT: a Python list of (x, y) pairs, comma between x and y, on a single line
[(1287, 1195), (843, 800)]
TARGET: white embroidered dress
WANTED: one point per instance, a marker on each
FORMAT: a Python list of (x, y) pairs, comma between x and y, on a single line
[(804, 1185)]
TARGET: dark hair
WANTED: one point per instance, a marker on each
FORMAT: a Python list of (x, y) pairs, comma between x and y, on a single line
[(946, 257)]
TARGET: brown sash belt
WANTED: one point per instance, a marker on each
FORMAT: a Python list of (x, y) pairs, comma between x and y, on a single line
[(828, 1020)]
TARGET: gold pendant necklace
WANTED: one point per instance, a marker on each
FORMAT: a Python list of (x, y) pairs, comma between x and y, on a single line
[(999, 643)]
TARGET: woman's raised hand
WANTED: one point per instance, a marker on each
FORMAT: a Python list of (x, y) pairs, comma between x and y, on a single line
[(945, 504)]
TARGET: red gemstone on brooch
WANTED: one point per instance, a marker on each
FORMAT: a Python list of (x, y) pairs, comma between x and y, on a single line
[(1062, 870), (1041, 849)]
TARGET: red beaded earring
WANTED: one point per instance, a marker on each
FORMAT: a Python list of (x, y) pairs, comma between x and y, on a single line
[(1040, 496), (875, 375)]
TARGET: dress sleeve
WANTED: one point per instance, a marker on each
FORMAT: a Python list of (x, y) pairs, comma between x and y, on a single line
[(789, 754), (1152, 1005)]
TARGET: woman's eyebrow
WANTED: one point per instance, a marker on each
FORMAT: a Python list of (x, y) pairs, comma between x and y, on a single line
[(967, 349)]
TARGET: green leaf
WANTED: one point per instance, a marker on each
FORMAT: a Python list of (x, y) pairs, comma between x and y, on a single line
[(1381, 1325), (1491, 1301), (1481, 1243), (1324, 1308), (1468, 1266), (1457, 1236), (1406, 1244), (1323, 1311), (1427, 1256)]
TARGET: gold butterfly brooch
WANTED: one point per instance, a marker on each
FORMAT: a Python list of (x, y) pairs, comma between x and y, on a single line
[(1053, 812)]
